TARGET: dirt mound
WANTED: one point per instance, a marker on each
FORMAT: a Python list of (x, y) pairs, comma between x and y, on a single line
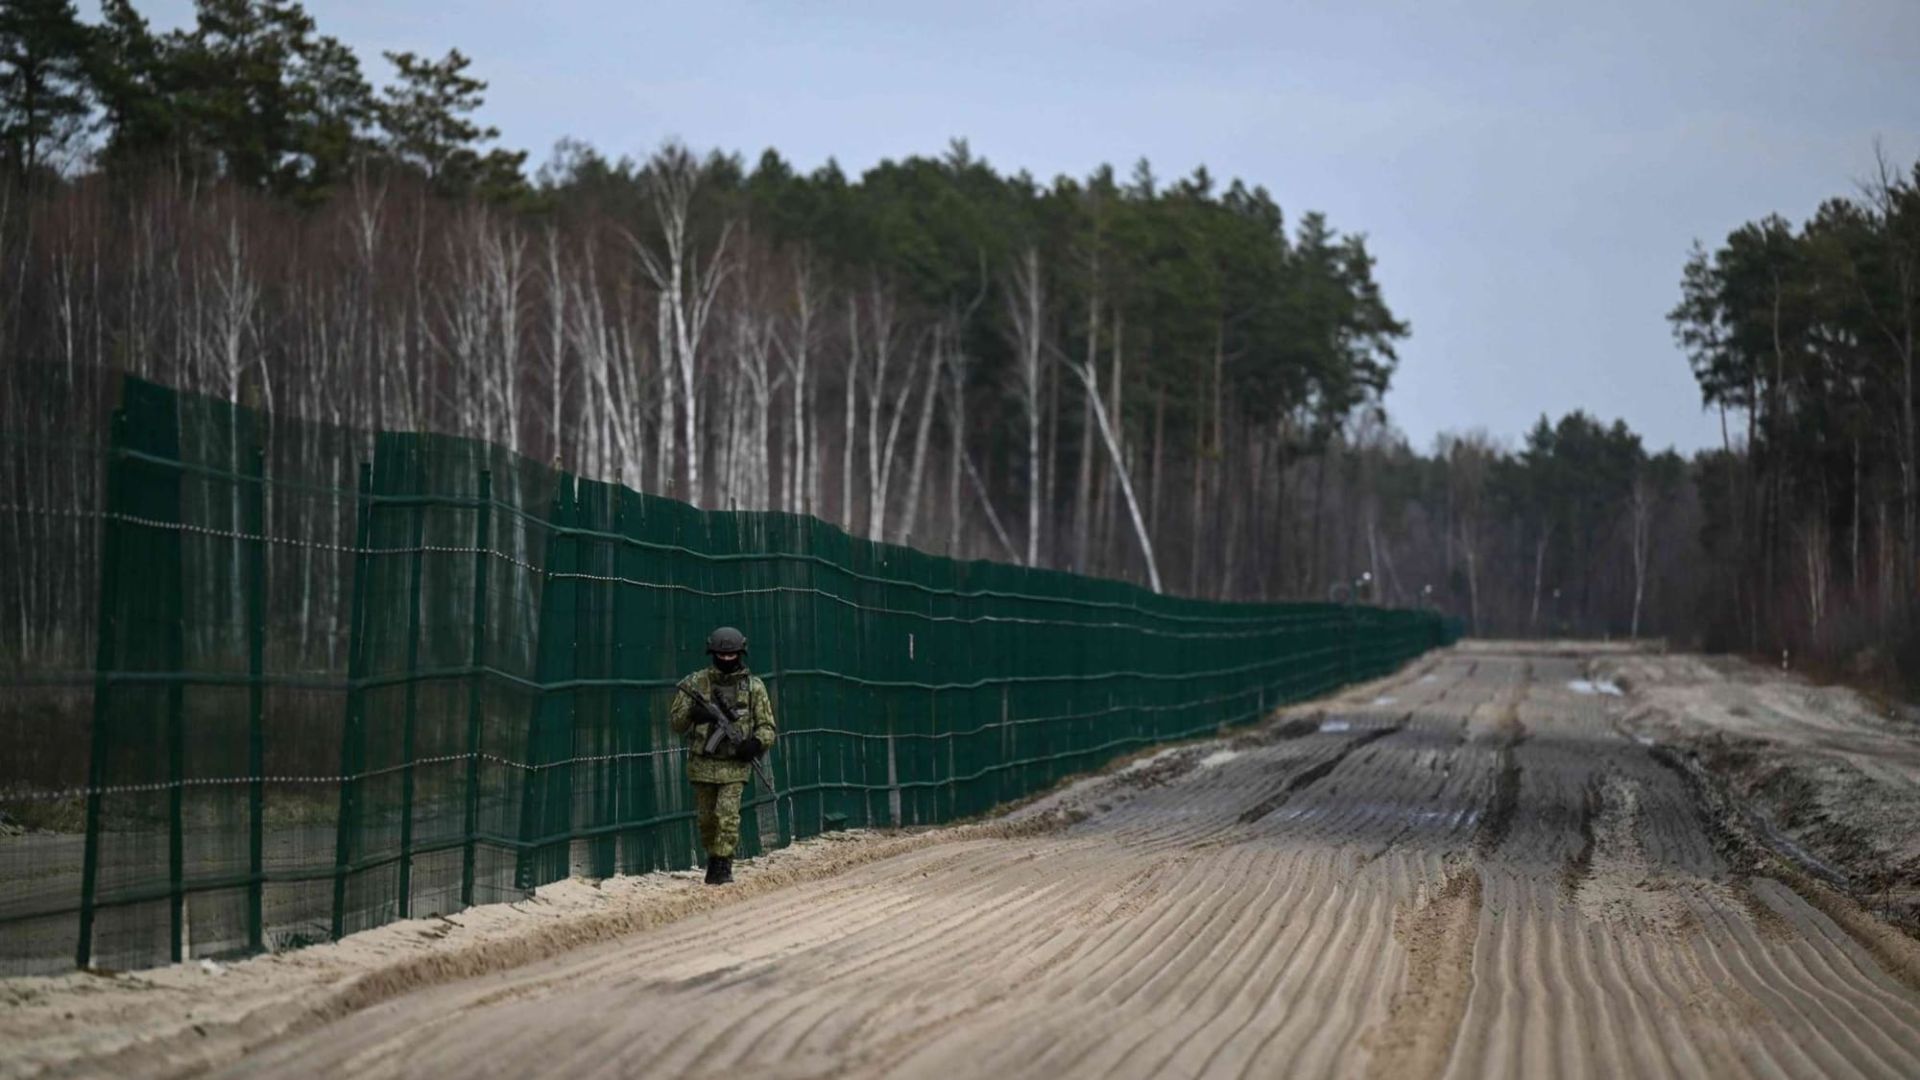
[(1823, 776)]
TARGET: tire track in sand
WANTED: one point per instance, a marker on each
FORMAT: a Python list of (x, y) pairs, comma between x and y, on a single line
[(1426, 1010), (1462, 871)]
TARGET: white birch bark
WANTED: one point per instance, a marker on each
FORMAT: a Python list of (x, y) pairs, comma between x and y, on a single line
[(1813, 544), (556, 295), (464, 303), (666, 422), (1469, 548), (1083, 488), (688, 289), (921, 432), (754, 348), (1539, 570), (986, 503), (503, 259), (611, 372), (1110, 440), (1641, 536), (850, 413), (956, 375), (1026, 302), (884, 411), (799, 475)]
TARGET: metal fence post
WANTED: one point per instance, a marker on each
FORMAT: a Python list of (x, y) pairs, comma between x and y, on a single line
[(174, 606), (598, 605), (893, 776), (627, 714), (350, 731), (103, 661), (477, 676), (410, 720), (555, 660), (1351, 632), (255, 530)]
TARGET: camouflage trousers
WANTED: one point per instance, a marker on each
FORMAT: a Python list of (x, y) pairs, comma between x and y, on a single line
[(718, 806)]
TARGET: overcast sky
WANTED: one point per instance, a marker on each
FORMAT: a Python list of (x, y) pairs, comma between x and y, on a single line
[(1529, 175)]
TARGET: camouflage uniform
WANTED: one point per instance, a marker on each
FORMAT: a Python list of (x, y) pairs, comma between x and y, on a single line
[(717, 781)]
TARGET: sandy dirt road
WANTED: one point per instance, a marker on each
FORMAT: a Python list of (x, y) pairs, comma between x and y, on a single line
[(1472, 870)]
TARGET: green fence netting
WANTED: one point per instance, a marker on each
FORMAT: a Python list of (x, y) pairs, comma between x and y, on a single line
[(342, 679)]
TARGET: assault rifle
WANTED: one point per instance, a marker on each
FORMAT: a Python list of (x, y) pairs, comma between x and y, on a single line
[(725, 730)]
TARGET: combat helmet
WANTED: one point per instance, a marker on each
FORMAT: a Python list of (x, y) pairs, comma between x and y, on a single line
[(726, 639)]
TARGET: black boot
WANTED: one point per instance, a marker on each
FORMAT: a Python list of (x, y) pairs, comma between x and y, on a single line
[(724, 874), (714, 872)]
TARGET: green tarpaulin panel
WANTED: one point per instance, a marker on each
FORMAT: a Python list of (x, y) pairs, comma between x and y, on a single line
[(346, 678)]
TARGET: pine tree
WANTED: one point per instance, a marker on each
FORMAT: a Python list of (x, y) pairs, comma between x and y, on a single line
[(43, 93), (131, 72), (426, 122)]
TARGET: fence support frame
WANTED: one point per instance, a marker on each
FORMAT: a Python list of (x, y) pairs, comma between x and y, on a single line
[(351, 731), (254, 504), (104, 658), (476, 660), (410, 720)]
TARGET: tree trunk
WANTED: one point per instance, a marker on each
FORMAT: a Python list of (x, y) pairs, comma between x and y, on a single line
[(800, 466), (1316, 565), (1083, 488), (993, 517), (1159, 457), (1112, 443), (1278, 527), (1026, 303), (1853, 534), (1642, 524), (1469, 550), (666, 425), (1910, 493), (957, 436), (846, 446), (880, 484), (922, 429), (1106, 489), (688, 290), (556, 340), (1220, 464), (880, 357), (1050, 453), (1539, 570)]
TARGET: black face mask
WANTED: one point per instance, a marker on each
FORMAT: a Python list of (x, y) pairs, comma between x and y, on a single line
[(728, 667)]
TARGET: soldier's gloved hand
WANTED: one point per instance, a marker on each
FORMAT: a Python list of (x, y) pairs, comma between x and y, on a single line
[(751, 748)]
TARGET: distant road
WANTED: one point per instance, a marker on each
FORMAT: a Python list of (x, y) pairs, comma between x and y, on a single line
[(1464, 871)]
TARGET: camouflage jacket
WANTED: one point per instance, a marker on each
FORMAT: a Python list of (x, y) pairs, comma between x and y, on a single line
[(748, 696)]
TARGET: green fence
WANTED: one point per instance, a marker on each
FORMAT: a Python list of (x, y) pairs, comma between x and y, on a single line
[(343, 679)]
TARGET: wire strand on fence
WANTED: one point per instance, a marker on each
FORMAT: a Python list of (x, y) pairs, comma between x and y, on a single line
[(446, 685)]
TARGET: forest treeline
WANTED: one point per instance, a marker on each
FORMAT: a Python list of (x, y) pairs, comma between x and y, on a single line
[(1803, 337), (1165, 380)]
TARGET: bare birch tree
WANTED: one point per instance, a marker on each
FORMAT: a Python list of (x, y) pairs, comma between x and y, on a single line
[(801, 467), (1089, 382), (923, 429), (886, 405), (1640, 526), (1026, 309), (688, 287), (616, 384)]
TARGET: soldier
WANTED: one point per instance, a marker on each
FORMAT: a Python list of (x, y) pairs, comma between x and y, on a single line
[(719, 777)]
